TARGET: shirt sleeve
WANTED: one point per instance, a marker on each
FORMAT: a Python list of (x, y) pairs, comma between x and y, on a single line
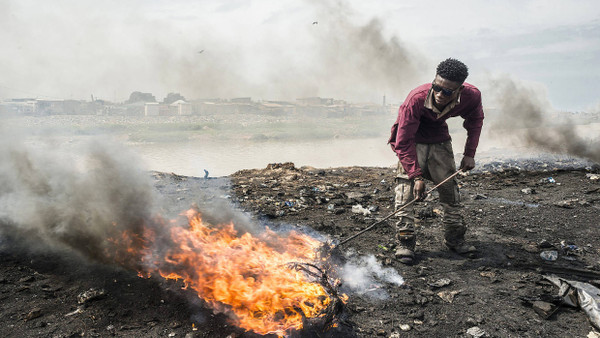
[(473, 124), (402, 139)]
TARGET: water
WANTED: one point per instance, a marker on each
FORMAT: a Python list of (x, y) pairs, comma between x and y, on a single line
[(220, 159)]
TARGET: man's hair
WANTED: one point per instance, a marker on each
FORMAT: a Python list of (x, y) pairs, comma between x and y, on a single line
[(453, 70)]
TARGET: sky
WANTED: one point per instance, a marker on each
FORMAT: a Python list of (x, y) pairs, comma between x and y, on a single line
[(353, 50)]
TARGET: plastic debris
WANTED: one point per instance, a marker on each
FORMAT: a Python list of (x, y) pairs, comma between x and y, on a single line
[(569, 249), (528, 191), (548, 180), (405, 327), (448, 296), (579, 294), (90, 295), (593, 177), (72, 313), (549, 255), (358, 209), (440, 283)]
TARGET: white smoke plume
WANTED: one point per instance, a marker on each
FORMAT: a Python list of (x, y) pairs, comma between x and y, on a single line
[(364, 275)]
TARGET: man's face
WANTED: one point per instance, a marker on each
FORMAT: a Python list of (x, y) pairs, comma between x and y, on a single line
[(444, 91)]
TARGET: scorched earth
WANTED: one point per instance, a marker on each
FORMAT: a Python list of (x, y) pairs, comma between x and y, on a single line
[(514, 216)]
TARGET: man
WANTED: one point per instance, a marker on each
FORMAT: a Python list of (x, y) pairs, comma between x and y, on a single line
[(421, 140)]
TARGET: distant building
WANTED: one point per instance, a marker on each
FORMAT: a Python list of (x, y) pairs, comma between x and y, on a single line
[(315, 101), (151, 109), (242, 100), (181, 107), (25, 106)]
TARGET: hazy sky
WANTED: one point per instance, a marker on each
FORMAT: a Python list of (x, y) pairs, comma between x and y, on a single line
[(272, 49)]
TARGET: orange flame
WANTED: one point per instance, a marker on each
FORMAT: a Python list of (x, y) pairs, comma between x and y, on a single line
[(244, 276)]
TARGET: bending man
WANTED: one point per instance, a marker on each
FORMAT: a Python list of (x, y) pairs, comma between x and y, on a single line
[(421, 140)]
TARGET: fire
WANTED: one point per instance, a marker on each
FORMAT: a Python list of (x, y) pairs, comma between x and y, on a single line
[(247, 277)]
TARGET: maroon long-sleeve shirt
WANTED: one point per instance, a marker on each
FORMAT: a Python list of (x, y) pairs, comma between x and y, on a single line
[(417, 124)]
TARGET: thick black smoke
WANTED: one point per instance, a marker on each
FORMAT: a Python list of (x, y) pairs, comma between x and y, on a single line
[(74, 199), (526, 111)]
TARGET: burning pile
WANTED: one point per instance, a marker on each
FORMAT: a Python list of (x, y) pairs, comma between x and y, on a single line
[(265, 283)]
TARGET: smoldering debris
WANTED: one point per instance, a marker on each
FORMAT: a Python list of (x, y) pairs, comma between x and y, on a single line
[(545, 162), (364, 275)]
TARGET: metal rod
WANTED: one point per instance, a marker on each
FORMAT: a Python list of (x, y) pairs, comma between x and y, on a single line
[(399, 209)]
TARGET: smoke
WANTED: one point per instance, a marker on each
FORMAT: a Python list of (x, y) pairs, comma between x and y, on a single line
[(364, 275), (351, 60), (267, 54), (525, 111), (71, 199)]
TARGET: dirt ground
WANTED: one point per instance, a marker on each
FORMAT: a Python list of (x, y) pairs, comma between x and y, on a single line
[(513, 216)]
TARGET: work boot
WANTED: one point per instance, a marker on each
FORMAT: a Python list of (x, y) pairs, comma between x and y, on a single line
[(461, 247), (405, 251)]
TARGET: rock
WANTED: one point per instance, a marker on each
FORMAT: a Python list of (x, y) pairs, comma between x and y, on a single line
[(544, 309), (544, 244), (26, 279), (89, 295), (448, 296), (567, 204), (476, 332), (440, 283), (419, 314), (405, 327), (34, 313), (528, 191)]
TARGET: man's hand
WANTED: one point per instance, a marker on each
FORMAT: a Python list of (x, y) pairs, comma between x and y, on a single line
[(467, 163), (419, 189)]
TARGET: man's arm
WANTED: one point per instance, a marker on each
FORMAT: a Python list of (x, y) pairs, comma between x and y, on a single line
[(473, 124), (402, 139)]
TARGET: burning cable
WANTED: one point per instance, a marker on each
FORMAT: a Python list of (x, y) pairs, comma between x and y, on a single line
[(265, 283)]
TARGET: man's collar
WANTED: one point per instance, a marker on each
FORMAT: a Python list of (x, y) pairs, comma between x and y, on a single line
[(429, 103)]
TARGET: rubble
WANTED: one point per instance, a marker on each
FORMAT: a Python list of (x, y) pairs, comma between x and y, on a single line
[(481, 292), (90, 295)]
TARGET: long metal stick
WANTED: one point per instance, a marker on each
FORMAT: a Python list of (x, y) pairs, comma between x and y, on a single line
[(399, 209)]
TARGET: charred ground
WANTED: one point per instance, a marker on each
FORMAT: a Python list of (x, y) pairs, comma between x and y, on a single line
[(513, 215)]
